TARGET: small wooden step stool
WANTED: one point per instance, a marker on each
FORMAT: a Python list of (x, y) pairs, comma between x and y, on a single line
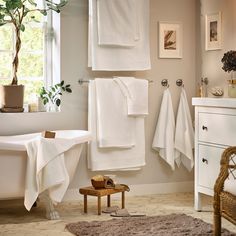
[(91, 191)]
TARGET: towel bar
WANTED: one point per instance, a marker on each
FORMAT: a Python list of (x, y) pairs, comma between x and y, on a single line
[(82, 81)]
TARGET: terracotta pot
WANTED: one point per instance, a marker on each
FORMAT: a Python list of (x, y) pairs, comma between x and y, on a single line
[(12, 97)]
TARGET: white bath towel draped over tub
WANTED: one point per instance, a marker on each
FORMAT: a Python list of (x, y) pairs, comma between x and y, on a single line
[(184, 134), (163, 140), (46, 168), (114, 158), (117, 57)]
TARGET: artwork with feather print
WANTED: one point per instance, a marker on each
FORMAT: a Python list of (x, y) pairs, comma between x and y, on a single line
[(170, 40)]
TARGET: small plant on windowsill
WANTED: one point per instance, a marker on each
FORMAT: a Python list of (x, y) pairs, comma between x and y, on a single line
[(18, 13), (52, 96)]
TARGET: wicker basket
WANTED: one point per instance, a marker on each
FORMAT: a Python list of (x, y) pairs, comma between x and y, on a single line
[(98, 184), (228, 206)]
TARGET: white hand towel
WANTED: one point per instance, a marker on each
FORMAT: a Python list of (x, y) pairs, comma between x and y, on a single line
[(184, 134), (136, 93), (116, 58), (117, 22), (112, 120), (113, 158), (46, 169), (164, 135)]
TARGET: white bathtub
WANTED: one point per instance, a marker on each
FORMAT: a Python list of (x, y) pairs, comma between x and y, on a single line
[(13, 159)]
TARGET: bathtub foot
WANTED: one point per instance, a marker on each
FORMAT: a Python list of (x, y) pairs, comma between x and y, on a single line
[(51, 213)]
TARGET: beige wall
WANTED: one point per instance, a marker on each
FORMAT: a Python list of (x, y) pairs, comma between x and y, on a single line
[(211, 60), (74, 66)]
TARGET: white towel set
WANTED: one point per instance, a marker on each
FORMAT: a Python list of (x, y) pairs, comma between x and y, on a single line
[(175, 140)]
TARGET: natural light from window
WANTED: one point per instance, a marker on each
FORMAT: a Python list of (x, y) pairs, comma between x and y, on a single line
[(35, 49)]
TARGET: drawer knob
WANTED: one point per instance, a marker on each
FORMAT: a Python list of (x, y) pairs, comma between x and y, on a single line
[(204, 160), (204, 127)]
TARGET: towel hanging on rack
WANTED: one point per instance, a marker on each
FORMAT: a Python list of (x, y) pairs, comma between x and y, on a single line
[(118, 58), (136, 93), (184, 134), (118, 22), (163, 140)]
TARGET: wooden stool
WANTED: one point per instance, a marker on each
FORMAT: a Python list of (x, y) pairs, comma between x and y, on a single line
[(91, 191)]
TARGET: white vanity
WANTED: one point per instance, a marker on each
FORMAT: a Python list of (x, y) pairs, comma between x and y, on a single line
[(215, 130)]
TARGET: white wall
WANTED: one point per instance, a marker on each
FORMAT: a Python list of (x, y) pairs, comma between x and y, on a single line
[(74, 66), (211, 60)]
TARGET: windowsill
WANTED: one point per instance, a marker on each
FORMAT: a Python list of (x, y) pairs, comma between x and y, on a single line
[(27, 113)]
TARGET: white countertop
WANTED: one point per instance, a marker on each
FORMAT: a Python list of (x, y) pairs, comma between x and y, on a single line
[(214, 102)]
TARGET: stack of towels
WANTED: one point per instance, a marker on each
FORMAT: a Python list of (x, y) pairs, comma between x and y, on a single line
[(175, 140), (118, 37), (117, 108)]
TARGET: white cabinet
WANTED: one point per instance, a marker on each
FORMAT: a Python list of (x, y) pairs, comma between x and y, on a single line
[(215, 130)]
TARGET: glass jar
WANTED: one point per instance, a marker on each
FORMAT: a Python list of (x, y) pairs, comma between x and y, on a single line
[(232, 88)]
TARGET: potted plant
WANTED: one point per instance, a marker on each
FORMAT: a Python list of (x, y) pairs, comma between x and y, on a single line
[(15, 12), (229, 65), (52, 96)]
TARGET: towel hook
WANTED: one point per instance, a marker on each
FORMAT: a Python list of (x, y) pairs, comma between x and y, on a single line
[(165, 83), (179, 82)]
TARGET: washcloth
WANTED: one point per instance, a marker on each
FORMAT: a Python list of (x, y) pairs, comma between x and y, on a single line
[(113, 158), (46, 169), (136, 93), (116, 58), (184, 134), (163, 140), (112, 120), (117, 22)]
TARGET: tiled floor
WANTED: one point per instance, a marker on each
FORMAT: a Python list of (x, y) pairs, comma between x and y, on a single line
[(15, 220)]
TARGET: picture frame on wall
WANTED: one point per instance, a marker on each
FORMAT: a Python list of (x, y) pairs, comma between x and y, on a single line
[(213, 34), (170, 40)]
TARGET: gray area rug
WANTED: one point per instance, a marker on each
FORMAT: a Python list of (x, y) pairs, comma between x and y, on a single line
[(174, 225)]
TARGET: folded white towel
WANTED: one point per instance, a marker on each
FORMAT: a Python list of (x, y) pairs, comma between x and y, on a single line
[(112, 120), (46, 169), (136, 93), (117, 22), (113, 158), (116, 58), (184, 134), (164, 135)]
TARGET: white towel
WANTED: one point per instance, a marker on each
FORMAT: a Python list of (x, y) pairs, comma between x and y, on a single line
[(116, 58), (136, 93), (184, 134), (164, 135), (117, 22), (113, 158), (46, 169), (112, 120)]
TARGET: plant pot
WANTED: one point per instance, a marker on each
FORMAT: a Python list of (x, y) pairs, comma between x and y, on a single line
[(12, 98), (232, 88)]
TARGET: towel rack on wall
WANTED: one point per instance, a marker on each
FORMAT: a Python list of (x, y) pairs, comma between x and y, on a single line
[(82, 81)]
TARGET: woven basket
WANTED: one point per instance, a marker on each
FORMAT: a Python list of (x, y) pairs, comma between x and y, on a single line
[(228, 206), (98, 184)]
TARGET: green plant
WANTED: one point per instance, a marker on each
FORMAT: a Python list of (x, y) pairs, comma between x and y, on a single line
[(15, 12), (53, 94), (229, 61)]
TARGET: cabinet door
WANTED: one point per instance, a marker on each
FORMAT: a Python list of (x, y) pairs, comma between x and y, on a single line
[(208, 165), (217, 128)]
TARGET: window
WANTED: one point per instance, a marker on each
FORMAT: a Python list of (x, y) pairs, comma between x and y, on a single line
[(35, 55)]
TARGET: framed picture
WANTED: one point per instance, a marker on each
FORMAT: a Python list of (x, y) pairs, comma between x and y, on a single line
[(213, 31), (170, 40)]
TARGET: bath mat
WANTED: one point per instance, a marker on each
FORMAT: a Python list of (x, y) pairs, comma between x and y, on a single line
[(125, 213), (174, 224)]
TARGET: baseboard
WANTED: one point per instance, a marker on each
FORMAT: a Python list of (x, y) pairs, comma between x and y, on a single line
[(142, 189)]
